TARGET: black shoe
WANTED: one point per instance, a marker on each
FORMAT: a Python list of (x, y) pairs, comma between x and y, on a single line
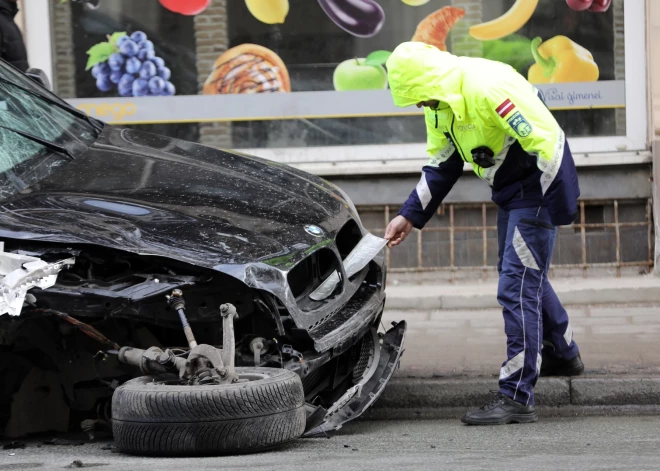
[(500, 411), (553, 366)]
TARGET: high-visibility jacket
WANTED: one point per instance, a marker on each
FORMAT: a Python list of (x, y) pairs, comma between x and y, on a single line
[(483, 103)]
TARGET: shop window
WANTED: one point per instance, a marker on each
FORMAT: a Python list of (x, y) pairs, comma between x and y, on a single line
[(241, 61)]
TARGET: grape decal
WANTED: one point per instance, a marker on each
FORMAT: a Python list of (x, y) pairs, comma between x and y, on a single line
[(129, 64)]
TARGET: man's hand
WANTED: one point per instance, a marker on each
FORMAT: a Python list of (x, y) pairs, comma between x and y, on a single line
[(397, 231)]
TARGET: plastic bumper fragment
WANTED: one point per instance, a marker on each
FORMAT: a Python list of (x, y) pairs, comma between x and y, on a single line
[(361, 396)]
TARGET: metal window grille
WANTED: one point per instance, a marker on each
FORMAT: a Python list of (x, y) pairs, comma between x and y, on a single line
[(610, 234)]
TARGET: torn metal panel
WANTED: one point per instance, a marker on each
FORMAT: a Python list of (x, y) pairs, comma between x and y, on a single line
[(20, 273), (151, 285)]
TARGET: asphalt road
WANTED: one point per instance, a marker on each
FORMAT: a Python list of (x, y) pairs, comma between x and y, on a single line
[(599, 443)]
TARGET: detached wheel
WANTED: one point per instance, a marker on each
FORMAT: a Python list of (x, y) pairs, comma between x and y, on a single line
[(157, 415)]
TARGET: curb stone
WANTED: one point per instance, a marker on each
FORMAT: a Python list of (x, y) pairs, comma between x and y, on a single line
[(455, 413), (620, 391), (469, 392), (445, 398)]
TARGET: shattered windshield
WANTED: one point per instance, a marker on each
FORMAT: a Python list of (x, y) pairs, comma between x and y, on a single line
[(38, 132)]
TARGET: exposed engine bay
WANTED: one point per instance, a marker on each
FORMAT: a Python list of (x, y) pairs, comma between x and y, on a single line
[(127, 255), (92, 318)]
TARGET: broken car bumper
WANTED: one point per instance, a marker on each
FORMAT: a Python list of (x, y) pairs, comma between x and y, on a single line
[(360, 397)]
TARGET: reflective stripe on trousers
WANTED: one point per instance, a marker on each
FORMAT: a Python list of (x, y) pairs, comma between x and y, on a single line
[(532, 312)]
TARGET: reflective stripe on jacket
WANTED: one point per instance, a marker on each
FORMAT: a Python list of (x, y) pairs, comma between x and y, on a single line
[(483, 103)]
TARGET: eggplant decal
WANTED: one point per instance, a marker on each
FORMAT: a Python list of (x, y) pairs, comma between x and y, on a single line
[(91, 4), (361, 18)]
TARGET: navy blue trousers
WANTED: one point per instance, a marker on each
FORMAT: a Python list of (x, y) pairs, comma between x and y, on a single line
[(533, 314)]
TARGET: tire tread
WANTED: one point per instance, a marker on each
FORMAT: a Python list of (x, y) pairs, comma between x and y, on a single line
[(203, 438), (156, 419), (135, 401)]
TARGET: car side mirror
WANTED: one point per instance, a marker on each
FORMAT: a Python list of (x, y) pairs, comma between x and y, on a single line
[(40, 77)]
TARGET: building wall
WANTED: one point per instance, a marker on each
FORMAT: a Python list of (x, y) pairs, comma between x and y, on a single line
[(380, 196), (654, 58), (654, 73), (211, 42), (462, 43), (64, 72)]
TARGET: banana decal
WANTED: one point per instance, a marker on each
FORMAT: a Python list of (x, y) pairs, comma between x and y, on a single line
[(514, 19)]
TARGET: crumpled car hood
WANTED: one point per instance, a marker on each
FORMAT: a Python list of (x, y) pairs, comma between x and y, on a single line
[(153, 195)]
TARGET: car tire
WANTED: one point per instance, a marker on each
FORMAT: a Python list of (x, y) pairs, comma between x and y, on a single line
[(152, 415)]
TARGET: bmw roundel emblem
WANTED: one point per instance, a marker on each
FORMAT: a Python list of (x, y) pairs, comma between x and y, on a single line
[(314, 230)]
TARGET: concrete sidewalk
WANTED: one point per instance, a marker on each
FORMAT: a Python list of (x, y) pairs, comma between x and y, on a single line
[(458, 328), (613, 339), (482, 295), (455, 346)]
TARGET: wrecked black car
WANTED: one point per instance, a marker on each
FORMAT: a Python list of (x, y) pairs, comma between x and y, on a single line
[(198, 300)]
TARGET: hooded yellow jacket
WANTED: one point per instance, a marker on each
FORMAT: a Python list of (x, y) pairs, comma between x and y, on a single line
[(483, 103)]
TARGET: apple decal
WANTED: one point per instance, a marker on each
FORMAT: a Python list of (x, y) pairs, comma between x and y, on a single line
[(365, 73), (354, 74)]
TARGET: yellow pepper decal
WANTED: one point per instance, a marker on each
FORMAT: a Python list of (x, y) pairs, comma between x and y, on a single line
[(561, 60)]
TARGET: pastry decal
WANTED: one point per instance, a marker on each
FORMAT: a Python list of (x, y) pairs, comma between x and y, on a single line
[(248, 68)]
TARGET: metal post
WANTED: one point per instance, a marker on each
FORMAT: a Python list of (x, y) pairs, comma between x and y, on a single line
[(656, 205), (618, 238), (451, 241), (484, 235), (649, 220), (420, 263), (387, 251), (583, 239)]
